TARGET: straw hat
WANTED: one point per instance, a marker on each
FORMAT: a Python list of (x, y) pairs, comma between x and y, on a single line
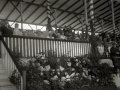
[(38, 31), (114, 43)]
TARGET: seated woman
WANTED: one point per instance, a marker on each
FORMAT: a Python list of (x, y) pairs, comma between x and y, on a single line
[(55, 34), (76, 37), (25, 32), (31, 33), (62, 36), (99, 41), (50, 35), (38, 33)]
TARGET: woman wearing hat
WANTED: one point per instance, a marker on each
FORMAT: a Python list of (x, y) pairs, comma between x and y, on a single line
[(50, 35)]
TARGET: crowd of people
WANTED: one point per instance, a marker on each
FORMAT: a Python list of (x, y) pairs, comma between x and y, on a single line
[(104, 39), (66, 34), (110, 42)]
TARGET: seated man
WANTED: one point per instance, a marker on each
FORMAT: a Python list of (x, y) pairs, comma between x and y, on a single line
[(50, 35), (55, 34), (113, 54), (31, 33), (17, 31), (5, 28), (25, 32)]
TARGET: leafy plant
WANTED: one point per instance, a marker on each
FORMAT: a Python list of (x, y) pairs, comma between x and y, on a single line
[(14, 78), (65, 73)]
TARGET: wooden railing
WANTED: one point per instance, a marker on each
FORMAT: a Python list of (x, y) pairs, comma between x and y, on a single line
[(30, 46), (11, 64)]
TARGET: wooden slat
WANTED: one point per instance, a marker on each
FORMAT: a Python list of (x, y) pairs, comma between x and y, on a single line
[(21, 47), (29, 46)]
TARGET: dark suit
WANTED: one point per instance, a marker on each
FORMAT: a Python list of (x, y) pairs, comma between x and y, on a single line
[(5, 30), (113, 54)]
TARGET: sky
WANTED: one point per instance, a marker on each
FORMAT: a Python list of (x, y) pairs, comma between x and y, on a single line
[(28, 26), (34, 27)]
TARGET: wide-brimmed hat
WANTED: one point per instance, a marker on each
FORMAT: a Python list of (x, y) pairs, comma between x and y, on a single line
[(38, 31), (114, 43)]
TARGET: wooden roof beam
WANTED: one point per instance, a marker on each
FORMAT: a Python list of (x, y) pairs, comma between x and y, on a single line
[(12, 10), (54, 8), (34, 11), (43, 11), (67, 9), (25, 9), (4, 6)]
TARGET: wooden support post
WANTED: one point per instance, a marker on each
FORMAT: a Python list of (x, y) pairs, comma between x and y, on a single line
[(86, 18), (56, 19), (0, 29), (92, 17), (102, 25), (119, 27), (113, 18), (82, 26), (21, 12), (24, 80), (36, 27), (0, 33), (48, 16)]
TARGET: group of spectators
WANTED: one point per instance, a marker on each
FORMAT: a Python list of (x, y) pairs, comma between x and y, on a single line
[(111, 44), (66, 34)]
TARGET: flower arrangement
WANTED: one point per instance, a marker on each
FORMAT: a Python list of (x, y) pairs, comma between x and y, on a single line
[(64, 73), (14, 78)]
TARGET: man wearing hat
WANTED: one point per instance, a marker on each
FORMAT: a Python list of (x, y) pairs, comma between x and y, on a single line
[(31, 33), (113, 54)]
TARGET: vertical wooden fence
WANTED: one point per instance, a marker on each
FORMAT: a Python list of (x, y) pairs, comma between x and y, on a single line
[(30, 46), (9, 64)]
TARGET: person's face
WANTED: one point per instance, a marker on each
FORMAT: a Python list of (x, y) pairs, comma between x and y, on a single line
[(114, 45), (50, 34), (105, 39), (6, 21)]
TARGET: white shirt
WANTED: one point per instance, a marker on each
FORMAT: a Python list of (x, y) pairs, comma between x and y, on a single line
[(17, 32)]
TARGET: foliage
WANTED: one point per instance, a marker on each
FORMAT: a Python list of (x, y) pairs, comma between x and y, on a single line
[(64, 73), (14, 79)]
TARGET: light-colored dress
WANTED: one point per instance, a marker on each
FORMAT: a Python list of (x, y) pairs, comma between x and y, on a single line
[(17, 32)]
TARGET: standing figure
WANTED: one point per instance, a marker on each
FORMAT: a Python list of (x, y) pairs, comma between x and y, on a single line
[(5, 28), (17, 31), (113, 54)]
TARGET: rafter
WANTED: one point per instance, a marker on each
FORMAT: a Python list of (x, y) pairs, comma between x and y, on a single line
[(107, 12), (25, 9), (15, 6), (95, 22), (115, 13), (70, 14), (57, 9), (43, 12), (34, 11), (44, 6), (12, 10), (67, 9), (4, 6)]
